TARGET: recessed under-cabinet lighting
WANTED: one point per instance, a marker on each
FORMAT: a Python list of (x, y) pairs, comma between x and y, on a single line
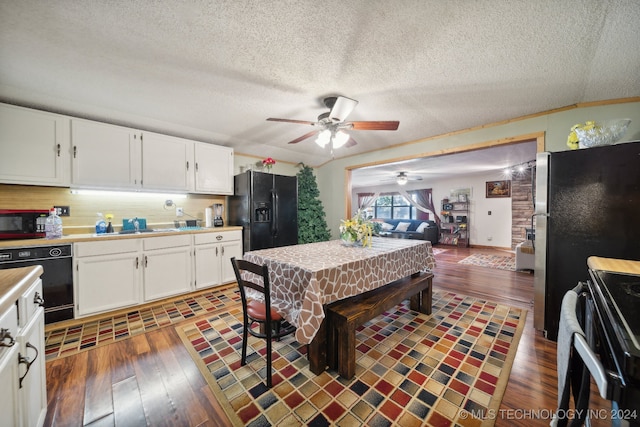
[(162, 196)]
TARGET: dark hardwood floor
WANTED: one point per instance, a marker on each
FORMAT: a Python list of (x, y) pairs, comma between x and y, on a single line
[(151, 380)]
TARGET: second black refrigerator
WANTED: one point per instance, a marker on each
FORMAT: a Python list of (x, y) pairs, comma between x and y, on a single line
[(587, 204), (266, 206)]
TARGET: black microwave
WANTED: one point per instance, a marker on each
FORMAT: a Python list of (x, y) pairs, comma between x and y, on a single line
[(22, 223)]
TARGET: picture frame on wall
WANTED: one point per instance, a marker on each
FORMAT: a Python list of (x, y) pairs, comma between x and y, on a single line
[(498, 189)]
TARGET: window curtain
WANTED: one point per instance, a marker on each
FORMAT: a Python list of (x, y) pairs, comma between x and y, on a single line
[(366, 200), (423, 201)]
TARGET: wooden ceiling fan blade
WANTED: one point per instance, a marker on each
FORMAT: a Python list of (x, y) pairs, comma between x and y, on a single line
[(300, 122), (303, 137), (375, 125)]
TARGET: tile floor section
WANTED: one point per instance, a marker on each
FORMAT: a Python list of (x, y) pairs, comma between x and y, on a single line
[(65, 341)]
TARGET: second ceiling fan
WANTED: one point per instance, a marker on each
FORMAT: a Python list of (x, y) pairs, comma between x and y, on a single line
[(331, 126)]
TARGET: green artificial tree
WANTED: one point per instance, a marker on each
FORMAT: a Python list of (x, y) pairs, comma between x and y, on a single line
[(312, 226)]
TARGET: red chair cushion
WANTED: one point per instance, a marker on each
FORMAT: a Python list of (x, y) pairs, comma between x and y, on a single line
[(257, 310)]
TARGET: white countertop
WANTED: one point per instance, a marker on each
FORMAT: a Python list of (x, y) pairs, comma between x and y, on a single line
[(72, 238), (14, 282)]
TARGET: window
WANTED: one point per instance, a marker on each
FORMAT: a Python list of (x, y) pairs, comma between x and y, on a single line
[(393, 206)]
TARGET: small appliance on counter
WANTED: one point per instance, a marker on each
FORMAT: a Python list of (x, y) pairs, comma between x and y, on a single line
[(208, 217), (18, 224), (218, 210)]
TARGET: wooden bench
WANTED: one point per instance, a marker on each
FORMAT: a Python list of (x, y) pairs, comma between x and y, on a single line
[(346, 315)]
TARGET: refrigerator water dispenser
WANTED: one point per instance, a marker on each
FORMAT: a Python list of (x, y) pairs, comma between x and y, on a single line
[(262, 212)]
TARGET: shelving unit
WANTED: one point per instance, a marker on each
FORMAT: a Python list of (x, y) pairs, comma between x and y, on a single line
[(454, 228)]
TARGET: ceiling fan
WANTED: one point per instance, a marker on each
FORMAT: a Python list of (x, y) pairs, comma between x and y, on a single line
[(403, 177), (331, 126)]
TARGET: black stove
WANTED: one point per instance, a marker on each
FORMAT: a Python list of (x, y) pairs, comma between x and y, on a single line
[(613, 311)]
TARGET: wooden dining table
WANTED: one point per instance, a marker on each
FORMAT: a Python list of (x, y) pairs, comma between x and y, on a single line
[(305, 278)]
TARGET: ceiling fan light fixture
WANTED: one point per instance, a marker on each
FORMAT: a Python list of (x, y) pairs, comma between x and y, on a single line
[(323, 138), (402, 180), (339, 139), (342, 108)]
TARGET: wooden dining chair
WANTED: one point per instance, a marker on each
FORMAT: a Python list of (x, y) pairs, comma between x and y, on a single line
[(255, 312)]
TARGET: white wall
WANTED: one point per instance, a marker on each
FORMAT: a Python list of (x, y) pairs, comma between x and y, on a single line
[(556, 126), (242, 162)]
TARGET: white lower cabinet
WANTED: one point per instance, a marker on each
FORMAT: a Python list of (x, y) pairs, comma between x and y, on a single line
[(9, 377), (213, 253), (106, 275), (23, 395), (167, 266), (113, 274), (33, 390)]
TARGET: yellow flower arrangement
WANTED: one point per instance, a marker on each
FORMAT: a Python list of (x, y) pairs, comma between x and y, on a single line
[(573, 140), (356, 230)]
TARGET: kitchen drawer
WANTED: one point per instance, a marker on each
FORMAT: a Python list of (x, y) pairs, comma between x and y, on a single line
[(166, 242), (223, 236), (9, 328), (29, 302), (83, 249)]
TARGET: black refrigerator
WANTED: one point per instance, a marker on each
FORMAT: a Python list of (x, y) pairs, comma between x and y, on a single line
[(266, 206), (587, 204)]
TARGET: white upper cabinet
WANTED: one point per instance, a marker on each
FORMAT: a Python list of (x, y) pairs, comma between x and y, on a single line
[(105, 156), (214, 169), (41, 148), (34, 147), (167, 162)]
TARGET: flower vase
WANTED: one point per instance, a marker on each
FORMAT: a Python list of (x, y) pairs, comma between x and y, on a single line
[(267, 168), (349, 240)]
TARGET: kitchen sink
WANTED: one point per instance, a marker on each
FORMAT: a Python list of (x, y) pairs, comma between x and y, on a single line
[(144, 230), (148, 230)]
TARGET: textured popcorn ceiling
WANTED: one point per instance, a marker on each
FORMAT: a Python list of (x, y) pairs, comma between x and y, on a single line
[(215, 70)]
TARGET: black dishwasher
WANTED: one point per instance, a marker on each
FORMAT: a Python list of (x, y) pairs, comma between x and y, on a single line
[(57, 279)]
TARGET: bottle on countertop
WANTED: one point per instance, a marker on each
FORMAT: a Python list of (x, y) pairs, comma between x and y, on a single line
[(101, 225), (109, 225), (53, 225)]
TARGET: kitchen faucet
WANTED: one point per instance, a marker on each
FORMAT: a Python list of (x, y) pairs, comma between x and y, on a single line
[(136, 224)]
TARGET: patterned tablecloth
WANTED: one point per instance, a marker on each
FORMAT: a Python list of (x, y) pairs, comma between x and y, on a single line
[(305, 277)]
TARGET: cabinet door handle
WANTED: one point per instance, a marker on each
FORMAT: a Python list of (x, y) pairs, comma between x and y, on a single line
[(216, 251), (137, 263), (196, 166), (4, 336), (58, 150), (146, 261), (222, 250), (37, 299), (75, 151), (22, 360), (187, 165)]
